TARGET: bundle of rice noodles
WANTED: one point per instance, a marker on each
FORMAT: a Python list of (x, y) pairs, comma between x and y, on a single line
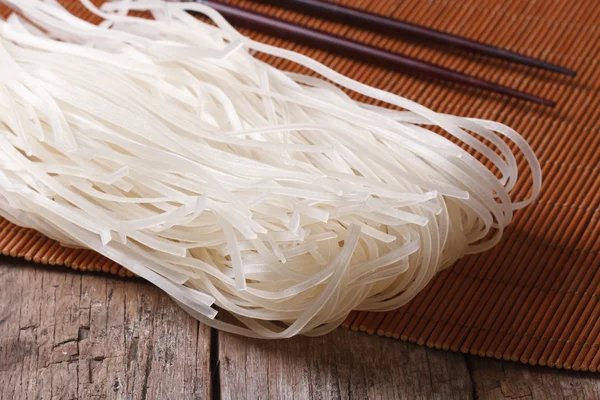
[(166, 146)]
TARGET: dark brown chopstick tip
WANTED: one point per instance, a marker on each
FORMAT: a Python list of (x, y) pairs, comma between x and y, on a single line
[(529, 97), (548, 103), (559, 69)]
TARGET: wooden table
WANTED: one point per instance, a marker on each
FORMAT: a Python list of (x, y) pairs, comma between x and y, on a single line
[(65, 335)]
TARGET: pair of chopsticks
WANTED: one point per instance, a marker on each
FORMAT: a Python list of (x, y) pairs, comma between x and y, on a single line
[(381, 24)]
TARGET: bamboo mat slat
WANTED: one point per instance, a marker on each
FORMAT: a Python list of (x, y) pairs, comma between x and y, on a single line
[(533, 298)]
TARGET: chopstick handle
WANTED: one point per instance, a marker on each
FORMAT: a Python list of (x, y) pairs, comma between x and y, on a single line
[(388, 26), (362, 52)]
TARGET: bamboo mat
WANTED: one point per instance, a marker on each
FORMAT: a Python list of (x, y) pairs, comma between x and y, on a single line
[(534, 297)]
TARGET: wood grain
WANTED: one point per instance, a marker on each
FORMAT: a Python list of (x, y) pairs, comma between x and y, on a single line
[(497, 380), (65, 335), (341, 365), (70, 336)]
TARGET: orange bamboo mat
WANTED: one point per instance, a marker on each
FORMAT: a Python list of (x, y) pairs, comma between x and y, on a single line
[(534, 297)]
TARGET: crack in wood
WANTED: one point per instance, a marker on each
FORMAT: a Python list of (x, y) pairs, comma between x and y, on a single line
[(147, 372), (215, 363)]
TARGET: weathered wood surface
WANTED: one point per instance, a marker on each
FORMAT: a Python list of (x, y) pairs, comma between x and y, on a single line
[(66, 335), (341, 365), (501, 380)]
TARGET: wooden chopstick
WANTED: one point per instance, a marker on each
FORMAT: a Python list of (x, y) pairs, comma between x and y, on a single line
[(350, 48), (389, 26)]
